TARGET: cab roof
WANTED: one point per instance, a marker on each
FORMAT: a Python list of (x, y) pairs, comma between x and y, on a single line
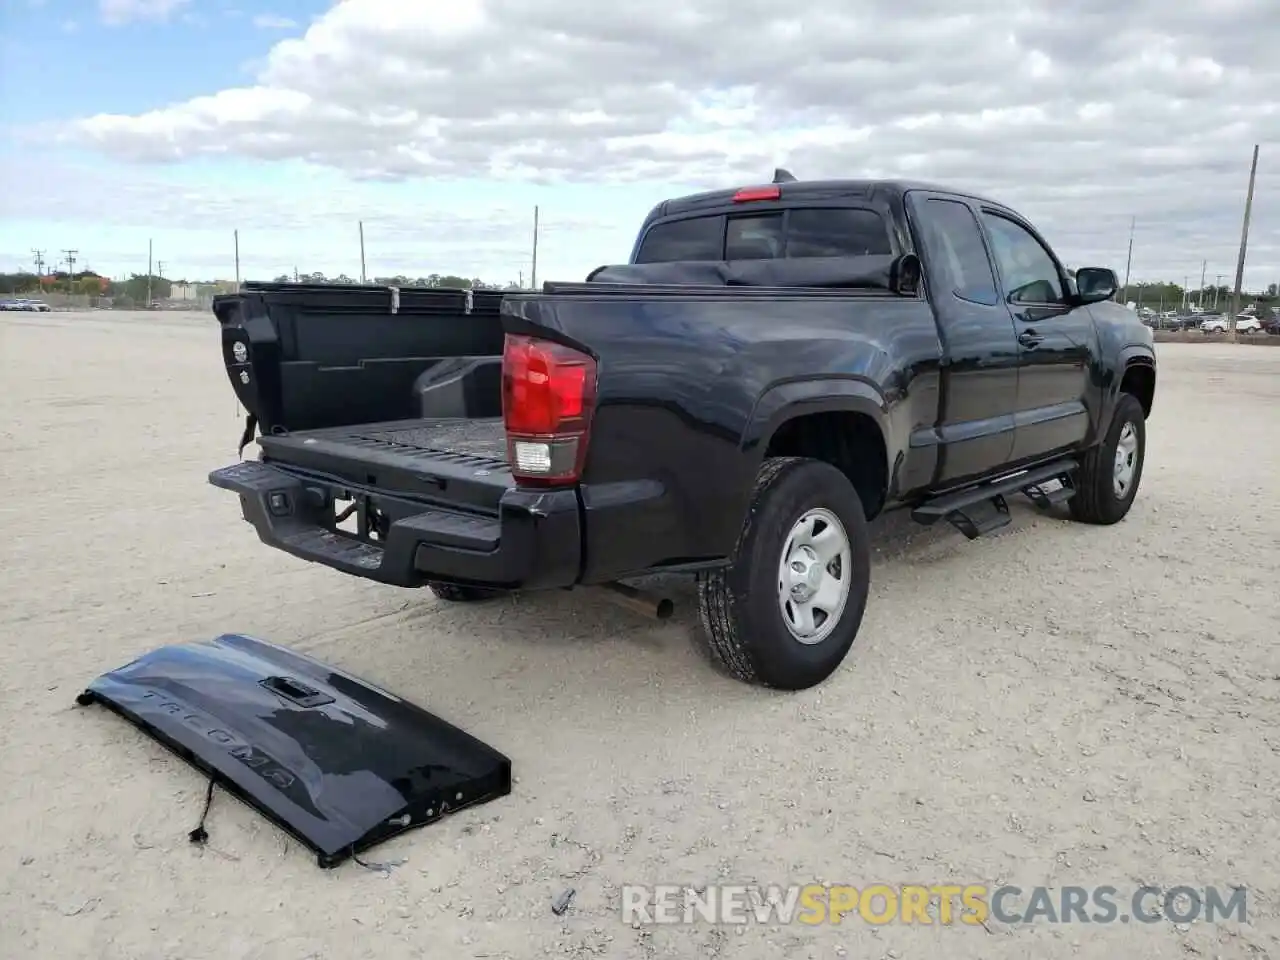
[(802, 191)]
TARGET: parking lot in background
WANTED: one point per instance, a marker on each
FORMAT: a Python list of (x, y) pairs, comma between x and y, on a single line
[(1055, 705)]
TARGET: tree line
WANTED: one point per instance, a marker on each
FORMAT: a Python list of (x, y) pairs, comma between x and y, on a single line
[(86, 283), (448, 280), (134, 290), (1170, 296)]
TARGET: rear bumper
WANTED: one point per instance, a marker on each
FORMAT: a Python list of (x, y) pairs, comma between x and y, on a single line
[(533, 543)]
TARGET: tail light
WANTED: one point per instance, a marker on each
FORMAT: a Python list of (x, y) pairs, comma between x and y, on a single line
[(548, 397)]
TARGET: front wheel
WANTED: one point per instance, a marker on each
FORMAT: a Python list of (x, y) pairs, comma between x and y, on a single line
[(786, 612), (1109, 474)]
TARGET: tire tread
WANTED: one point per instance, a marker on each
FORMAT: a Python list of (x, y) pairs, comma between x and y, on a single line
[(1093, 497), (715, 598), (722, 637)]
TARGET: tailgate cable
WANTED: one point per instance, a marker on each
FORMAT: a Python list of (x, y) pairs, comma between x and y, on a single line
[(250, 423), (199, 835)]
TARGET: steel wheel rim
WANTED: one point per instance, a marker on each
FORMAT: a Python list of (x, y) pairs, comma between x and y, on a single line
[(815, 572), (1126, 461)]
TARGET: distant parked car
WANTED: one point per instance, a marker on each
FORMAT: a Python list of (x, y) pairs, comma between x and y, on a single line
[(1243, 324), (26, 304)]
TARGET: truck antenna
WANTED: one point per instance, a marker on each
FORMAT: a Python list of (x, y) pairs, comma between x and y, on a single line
[(783, 176)]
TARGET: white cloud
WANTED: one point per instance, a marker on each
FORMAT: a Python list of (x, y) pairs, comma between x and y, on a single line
[(307, 218), (116, 12), (1081, 114), (271, 21)]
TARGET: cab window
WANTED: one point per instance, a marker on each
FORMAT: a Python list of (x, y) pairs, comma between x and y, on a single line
[(1027, 272)]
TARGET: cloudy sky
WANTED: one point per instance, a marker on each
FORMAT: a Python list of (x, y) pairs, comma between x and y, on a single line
[(442, 124)]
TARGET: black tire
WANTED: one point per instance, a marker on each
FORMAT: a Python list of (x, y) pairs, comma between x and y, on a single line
[(1096, 500), (742, 622), (458, 594)]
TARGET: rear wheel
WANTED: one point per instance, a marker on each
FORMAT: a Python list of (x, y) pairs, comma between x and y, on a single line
[(785, 613), (458, 594), (1110, 473)]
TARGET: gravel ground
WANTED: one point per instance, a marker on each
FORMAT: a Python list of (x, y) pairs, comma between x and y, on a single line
[(1054, 705)]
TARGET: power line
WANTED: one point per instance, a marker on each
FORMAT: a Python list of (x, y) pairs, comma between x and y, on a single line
[(364, 273), (533, 280), (1244, 245), (1129, 262)]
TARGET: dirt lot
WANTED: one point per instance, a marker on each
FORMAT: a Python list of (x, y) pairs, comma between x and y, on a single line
[(1055, 705), (1217, 339)]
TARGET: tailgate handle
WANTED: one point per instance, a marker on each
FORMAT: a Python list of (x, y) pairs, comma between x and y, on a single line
[(296, 692)]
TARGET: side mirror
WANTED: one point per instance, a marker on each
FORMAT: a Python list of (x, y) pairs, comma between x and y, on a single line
[(904, 275), (1095, 284)]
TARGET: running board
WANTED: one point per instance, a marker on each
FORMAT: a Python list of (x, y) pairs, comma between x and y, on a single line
[(979, 510)]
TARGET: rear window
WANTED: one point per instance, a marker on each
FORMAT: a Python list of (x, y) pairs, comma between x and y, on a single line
[(754, 238), (698, 238), (803, 232), (836, 233)]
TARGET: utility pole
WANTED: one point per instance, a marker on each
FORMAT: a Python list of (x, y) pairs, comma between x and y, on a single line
[(364, 278), (237, 237), (1124, 294), (1217, 286), (160, 269), (39, 261), (1204, 265), (149, 268), (1186, 290), (71, 265), (533, 279), (1244, 245)]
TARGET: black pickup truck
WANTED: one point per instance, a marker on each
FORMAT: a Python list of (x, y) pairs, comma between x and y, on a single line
[(775, 366)]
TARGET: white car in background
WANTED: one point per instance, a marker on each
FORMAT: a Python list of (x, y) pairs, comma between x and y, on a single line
[(1243, 324), (26, 304)]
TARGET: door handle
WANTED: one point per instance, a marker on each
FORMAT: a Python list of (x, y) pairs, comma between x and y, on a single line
[(1029, 338)]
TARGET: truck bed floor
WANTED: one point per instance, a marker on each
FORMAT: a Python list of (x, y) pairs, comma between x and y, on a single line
[(412, 439), (468, 457)]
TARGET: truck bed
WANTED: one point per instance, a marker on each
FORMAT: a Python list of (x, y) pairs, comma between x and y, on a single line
[(420, 458), (478, 437)]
